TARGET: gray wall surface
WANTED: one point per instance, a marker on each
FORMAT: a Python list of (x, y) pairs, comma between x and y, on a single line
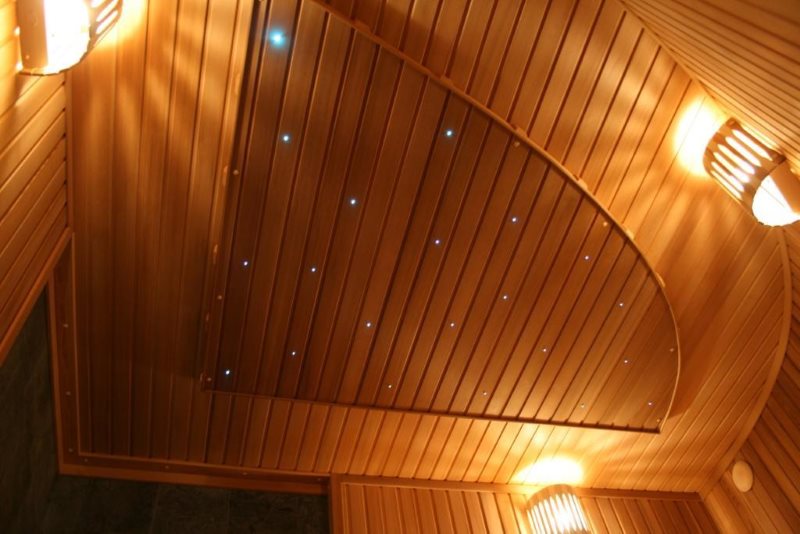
[(27, 434), (93, 506)]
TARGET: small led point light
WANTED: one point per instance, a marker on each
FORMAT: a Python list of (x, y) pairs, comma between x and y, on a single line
[(649, 403), (587, 258), (449, 133), (313, 268), (621, 304), (505, 297), (452, 325), (294, 353), (437, 242), (353, 201), (286, 138), (277, 38), (514, 219), (245, 263), (227, 372), (390, 386), (369, 324)]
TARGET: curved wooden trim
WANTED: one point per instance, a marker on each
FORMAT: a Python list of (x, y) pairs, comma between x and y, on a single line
[(487, 487), (432, 413), (522, 136), (774, 370), (230, 185)]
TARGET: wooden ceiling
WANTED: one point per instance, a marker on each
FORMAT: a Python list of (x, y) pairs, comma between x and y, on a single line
[(391, 245), (746, 54), (152, 122)]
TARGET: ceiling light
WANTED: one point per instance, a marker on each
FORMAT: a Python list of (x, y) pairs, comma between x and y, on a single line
[(754, 174), (55, 35), (557, 509), (549, 471)]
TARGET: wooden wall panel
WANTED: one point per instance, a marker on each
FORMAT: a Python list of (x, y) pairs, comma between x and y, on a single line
[(34, 215), (773, 447), (746, 55), (150, 185), (391, 245), (360, 504)]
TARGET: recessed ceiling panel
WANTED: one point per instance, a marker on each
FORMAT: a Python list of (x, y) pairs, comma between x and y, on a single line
[(389, 244)]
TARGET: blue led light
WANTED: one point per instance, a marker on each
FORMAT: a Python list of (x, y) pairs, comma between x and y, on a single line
[(277, 38)]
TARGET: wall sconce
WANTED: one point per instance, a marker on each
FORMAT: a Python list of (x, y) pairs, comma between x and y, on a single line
[(753, 174), (56, 34), (556, 509)]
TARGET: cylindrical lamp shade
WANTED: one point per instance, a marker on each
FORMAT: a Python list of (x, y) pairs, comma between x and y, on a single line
[(56, 34), (557, 510), (753, 174)]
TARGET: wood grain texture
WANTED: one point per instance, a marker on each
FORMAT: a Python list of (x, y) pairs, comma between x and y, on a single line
[(773, 448), (150, 151), (34, 219), (391, 245), (360, 504), (746, 55)]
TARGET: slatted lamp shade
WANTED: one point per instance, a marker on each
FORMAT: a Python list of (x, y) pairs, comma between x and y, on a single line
[(56, 34), (754, 174), (557, 510)]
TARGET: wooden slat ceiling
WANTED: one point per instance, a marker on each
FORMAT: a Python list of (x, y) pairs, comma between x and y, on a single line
[(746, 54), (393, 246), (33, 184), (596, 91), (364, 504)]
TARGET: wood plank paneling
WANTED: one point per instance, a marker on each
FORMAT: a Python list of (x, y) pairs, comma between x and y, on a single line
[(746, 55), (391, 245), (361, 504), (34, 217), (151, 183), (773, 447)]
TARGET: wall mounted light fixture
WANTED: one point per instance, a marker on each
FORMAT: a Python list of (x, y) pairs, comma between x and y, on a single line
[(556, 509), (754, 174), (56, 34)]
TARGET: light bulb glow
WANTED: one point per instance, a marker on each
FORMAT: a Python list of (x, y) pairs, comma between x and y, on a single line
[(697, 125), (67, 28), (770, 207), (548, 471)]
